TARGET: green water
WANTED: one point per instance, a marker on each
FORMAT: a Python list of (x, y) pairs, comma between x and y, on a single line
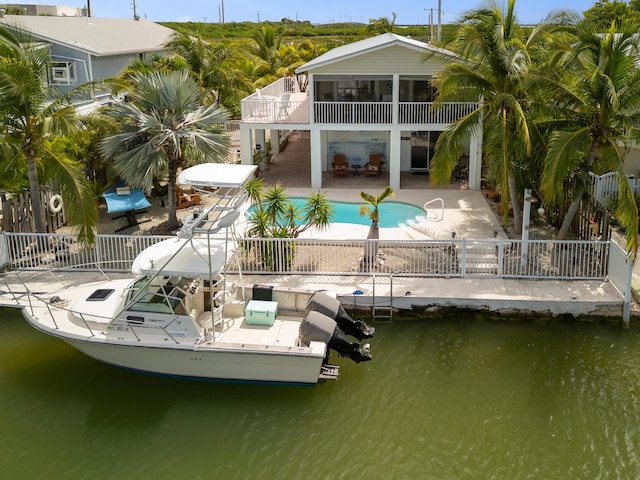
[(455, 399)]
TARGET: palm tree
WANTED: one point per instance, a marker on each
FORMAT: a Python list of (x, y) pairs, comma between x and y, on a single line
[(163, 128), (32, 115), (276, 216), (371, 209), (378, 26), (217, 67), (494, 61), (595, 119)]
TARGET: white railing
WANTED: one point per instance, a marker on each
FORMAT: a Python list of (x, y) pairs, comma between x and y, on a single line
[(266, 104), (421, 258), (352, 112), (428, 258), (425, 112), (266, 109), (279, 87), (605, 186), (29, 251)]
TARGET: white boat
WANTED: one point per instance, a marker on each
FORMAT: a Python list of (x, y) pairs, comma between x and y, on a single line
[(179, 314)]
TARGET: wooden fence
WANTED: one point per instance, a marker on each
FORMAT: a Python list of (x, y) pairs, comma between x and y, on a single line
[(15, 210)]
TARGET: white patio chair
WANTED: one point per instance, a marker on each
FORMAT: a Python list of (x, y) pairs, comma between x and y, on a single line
[(283, 106)]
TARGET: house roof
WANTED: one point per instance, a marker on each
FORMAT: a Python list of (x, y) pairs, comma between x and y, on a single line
[(369, 45), (97, 36)]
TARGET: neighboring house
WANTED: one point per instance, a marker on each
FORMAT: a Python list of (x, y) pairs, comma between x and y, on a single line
[(86, 49), (55, 10), (373, 96)]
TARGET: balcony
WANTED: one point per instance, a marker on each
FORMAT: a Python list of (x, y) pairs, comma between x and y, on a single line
[(283, 103), (280, 102)]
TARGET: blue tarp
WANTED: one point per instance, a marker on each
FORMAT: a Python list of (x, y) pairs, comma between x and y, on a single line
[(125, 203)]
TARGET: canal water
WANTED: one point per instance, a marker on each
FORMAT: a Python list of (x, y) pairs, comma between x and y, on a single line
[(456, 398)]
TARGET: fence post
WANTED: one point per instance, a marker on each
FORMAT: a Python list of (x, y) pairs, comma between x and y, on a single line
[(4, 251), (626, 307)]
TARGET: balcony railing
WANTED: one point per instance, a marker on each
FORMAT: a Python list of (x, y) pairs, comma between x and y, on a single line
[(268, 108), (425, 112), (353, 112)]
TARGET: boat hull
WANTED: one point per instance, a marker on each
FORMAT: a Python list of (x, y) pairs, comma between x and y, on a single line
[(211, 363)]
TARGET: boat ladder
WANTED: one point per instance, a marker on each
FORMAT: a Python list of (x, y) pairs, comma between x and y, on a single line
[(387, 310), (329, 372)]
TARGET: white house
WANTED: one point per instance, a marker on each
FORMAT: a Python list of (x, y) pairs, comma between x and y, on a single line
[(86, 49), (371, 96)]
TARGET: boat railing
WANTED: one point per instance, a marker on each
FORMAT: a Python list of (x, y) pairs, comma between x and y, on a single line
[(54, 302)]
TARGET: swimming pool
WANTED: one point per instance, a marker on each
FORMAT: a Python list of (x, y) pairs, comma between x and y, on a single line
[(392, 214)]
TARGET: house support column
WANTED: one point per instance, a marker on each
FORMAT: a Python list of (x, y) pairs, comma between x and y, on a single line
[(274, 137), (475, 160), (261, 142), (246, 149), (396, 99), (316, 158), (394, 159)]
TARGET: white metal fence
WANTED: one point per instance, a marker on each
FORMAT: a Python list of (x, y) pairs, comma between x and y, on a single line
[(605, 186), (535, 259), (29, 251), (428, 258)]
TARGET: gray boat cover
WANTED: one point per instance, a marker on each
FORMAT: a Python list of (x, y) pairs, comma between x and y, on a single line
[(316, 327), (323, 303)]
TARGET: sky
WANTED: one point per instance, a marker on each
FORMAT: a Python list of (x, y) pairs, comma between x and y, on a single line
[(323, 11)]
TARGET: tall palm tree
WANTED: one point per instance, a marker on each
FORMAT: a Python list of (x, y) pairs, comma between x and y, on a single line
[(595, 119), (372, 210), (32, 115), (217, 67), (163, 128), (494, 60)]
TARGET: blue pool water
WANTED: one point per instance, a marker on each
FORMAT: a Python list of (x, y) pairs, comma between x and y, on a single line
[(392, 214)]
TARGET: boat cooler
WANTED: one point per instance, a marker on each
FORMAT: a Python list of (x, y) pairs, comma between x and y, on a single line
[(260, 312)]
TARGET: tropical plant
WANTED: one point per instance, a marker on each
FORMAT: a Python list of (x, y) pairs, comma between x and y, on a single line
[(594, 118), (275, 215), (163, 128), (372, 210), (494, 60), (33, 117), (604, 12), (378, 26), (218, 67)]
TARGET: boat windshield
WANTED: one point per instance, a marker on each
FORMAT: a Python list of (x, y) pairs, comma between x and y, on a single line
[(159, 295)]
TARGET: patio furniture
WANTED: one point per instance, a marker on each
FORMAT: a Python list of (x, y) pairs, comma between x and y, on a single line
[(373, 165), (126, 201), (283, 106), (461, 169), (340, 165), (184, 199)]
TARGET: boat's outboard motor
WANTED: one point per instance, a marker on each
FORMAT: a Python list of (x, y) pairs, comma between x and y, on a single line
[(331, 307), (316, 327)]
